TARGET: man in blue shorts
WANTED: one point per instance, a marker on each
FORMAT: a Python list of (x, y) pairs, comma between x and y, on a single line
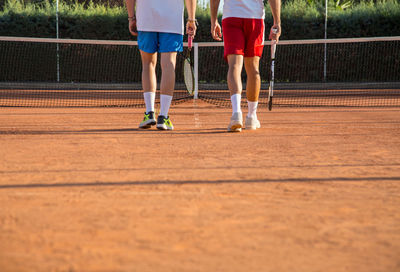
[(159, 27)]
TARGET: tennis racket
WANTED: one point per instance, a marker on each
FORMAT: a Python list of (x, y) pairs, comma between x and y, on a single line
[(188, 73), (271, 82)]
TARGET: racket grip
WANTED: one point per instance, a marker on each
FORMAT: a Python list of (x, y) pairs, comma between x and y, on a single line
[(273, 43), (190, 41), (273, 49)]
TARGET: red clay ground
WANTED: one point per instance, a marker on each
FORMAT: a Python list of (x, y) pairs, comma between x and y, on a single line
[(313, 190)]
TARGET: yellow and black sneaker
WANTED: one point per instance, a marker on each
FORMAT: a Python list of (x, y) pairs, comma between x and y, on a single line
[(148, 120), (163, 123)]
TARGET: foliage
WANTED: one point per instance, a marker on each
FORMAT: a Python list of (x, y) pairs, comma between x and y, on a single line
[(301, 19)]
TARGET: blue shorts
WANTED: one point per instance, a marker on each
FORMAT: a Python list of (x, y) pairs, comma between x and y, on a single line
[(152, 42)]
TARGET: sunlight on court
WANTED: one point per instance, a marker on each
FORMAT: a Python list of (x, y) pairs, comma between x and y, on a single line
[(82, 188)]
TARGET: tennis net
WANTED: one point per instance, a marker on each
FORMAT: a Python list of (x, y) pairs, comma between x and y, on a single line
[(38, 72), (357, 72), (361, 72)]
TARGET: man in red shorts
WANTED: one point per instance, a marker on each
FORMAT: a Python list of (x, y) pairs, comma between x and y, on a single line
[(243, 31)]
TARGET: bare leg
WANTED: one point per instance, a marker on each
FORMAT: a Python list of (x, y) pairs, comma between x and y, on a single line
[(253, 78), (149, 80), (253, 91), (235, 63), (168, 62), (149, 85)]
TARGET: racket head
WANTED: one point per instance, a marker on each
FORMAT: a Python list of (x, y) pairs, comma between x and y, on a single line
[(188, 75)]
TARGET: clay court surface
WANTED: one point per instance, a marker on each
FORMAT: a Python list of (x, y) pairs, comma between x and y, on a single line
[(315, 189)]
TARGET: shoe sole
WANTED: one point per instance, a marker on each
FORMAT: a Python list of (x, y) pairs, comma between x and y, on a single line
[(253, 127), (235, 128), (148, 124), (163, 127)]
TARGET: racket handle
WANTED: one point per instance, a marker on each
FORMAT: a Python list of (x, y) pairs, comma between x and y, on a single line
[(190, 41), (273, 43), (273, 49)]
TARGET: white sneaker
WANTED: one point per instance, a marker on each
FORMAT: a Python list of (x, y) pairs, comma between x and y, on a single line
[(252, 123), (236, 123)]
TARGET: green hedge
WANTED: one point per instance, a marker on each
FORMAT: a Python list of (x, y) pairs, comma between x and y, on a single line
[(300, 20)]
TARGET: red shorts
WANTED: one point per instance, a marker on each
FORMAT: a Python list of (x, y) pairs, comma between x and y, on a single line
[(243, 36)]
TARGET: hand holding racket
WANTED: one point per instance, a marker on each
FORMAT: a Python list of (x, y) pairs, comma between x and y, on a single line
[(133, 26), (188, 73), (271, 82)]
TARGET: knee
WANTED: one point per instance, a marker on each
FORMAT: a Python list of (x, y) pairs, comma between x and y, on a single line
[(167, 65), (253, 71), (235, 69), (252, 67), (148, 65)]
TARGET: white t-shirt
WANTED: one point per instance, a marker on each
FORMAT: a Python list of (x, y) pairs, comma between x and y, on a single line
[(160, 15), (244, 9)]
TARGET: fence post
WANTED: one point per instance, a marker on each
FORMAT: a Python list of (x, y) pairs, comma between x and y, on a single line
[(58, 46), (196, 70), (325, 36)]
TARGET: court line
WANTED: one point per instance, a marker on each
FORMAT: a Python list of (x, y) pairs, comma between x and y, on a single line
[(184, 132), (195, 182), (85, 111), (197, 122), (197, 168)]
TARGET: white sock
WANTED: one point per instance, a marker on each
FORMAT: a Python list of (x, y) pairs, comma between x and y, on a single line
[(165, 101), (252, 109), (149, 98), (236, 99)]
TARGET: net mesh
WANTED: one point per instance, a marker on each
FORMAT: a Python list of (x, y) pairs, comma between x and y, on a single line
[(82, 73), (70, 73), (354, 73)]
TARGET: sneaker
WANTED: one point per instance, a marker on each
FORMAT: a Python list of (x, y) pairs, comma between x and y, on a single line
[(236, 123), (148, 120), (252, 123), (163, 123)]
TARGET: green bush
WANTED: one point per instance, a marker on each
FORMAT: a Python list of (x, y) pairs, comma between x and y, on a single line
[(367, 19), (75, 21), (301, 19)]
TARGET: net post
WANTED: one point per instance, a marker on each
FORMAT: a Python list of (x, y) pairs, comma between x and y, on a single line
[(325, 36), (196, 70)]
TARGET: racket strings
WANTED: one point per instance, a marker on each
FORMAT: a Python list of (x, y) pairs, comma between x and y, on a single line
[(188, 76)]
